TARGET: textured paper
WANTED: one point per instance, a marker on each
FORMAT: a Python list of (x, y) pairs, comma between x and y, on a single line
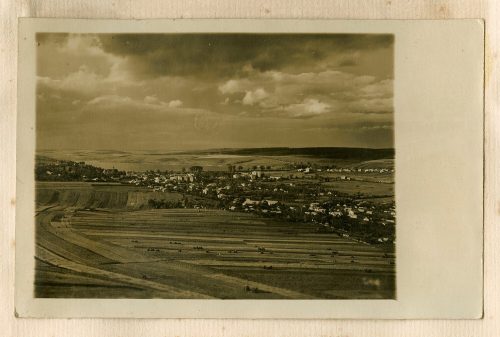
[(439, 175)]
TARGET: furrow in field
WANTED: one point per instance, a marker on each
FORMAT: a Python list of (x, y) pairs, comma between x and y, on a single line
[(172, 292), (250, 238), (303, 265)]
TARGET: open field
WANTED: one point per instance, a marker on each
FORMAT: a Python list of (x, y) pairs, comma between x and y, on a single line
[(97, 195), (93, 241), (375, 189), (151, 160)]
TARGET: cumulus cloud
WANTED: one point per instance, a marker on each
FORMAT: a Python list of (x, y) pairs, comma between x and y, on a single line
[(175, 103), (77, 63), (254, 97), (234, 85), (311, 94), (83, 80), (308, 108)]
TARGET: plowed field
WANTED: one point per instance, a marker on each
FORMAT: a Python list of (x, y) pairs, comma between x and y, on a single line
[(103, 242)]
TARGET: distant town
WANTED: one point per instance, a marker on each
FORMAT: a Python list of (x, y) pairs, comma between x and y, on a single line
[(296, 193)]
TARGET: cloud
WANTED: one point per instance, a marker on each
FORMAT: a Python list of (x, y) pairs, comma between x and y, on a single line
[(152, 100), (175, 103), (372, 105), (312, 93), (112, 100), (117, 102), (86, 82), (61, 54), (231, 54), (308, 108), (234, 86), (287, 86), (84, 43), (83, 81), (383, 88), (205, 82), (256, 96), (77, 63)]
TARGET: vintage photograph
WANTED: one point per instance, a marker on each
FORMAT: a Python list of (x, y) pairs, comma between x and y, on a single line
[(215, 165)]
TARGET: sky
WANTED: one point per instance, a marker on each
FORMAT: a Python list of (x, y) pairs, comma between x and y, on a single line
[(202, 91)]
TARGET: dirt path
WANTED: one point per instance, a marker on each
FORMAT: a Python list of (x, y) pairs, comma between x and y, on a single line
[(54, 253), (169, 291)]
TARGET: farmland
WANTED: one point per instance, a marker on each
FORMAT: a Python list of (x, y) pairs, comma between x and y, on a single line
[(102, 240), (215, 160), (297, 223)]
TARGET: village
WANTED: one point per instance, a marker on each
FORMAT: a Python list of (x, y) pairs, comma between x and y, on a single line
[(295, 194), (289, 197)]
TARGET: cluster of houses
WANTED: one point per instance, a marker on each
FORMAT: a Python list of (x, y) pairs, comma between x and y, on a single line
[(255, 192), (263, 206), (256, 174), (61, 170), (159, 181), (348, 170), (359, 170), (352, 211)]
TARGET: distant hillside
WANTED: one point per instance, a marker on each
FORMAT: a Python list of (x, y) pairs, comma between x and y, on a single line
[(40, 160), (318, 152), (379, 164)]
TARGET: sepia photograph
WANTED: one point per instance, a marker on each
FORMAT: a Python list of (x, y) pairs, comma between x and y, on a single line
[(215, 165), (249, 169)]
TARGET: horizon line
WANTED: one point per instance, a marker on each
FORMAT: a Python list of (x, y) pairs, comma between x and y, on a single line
[(226, 148)]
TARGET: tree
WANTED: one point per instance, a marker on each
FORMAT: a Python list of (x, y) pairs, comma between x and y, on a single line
[(196, 169)]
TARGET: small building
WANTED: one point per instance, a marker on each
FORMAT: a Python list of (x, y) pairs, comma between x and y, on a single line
[(249, 202)]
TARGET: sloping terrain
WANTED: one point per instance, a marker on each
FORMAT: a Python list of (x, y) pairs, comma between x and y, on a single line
[(126, 251), (86, 195)]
